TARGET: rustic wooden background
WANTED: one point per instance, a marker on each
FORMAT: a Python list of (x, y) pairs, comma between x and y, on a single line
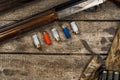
[(20, 60)]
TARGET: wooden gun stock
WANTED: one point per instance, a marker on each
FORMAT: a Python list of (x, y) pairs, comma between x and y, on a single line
[(28, 24), (7, 4)]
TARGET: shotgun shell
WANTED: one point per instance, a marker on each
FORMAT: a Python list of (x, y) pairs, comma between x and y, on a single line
[(36, 41), (110, 75), (116, 75), (46, 38), (55, 34), (66, 32), (74, 27), (104, 75)]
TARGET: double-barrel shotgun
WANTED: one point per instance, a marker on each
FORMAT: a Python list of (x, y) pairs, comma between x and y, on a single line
[(7, 4), (48, 16)]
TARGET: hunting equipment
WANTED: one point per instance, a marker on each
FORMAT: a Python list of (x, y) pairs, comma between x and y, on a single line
[(74, 27), (109, 75), (94, 67), (46, 38), (40, 19), (36, 41), (113, 59), (66, 31), (56, 34)]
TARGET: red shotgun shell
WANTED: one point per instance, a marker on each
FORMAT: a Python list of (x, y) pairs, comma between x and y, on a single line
[(46, 38)]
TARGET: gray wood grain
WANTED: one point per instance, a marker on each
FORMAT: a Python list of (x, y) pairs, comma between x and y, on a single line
[(99, 36), (29, 67)]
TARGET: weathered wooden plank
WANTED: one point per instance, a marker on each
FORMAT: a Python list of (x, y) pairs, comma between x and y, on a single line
[(99, 36), (31, 67), (3, 22)]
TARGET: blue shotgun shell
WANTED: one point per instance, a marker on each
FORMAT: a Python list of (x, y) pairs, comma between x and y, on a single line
[(66, 32)]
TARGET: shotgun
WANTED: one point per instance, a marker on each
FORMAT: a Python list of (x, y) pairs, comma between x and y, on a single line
[(7, 4), (48, 16)]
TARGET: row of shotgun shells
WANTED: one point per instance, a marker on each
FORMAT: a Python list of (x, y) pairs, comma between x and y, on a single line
[(55, 35), (110, 75)]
